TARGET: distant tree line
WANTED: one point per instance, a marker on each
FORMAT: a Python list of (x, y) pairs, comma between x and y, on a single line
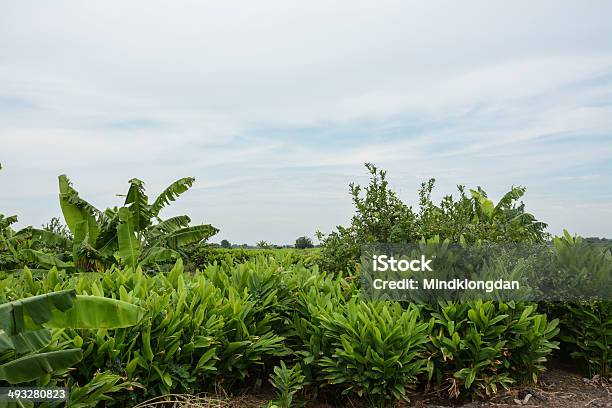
[(302, 242)]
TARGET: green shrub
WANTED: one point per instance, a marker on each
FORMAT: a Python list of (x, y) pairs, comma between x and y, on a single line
[(36, 349), (586, 326), (230, 323), (382, 217), (303, 243), (287, 382), (587, 331), (99, 390), (194, 335), (479, 347), (204, 255), (32, 247), (363, 349)]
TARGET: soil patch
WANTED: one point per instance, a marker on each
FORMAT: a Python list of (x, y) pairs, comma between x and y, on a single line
[(556, 388)]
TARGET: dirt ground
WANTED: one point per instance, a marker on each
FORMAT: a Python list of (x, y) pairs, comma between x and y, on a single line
[(556, 388), (560, 387)]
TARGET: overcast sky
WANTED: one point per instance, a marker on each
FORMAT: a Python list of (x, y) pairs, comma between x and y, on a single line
[(274, 106)]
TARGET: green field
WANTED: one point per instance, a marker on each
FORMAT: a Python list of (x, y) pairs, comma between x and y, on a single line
[(121, 306)]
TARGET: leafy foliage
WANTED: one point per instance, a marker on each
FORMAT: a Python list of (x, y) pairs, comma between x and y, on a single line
[(31, 246), (57, 228), (377, 350), (287, 382), (9, 256), (243, 311), (381, 216), (204, 255), (303, 243), (264, 245), (134, 233), (586, 327), (229, 323), (481, 347), (27, 347)]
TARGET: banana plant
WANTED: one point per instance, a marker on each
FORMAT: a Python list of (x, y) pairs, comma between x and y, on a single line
[(507, 215), (8, 241), (27, 327), (31, 246), (134, 233)]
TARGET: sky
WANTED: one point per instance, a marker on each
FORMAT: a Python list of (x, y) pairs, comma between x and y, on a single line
[(275, 106)]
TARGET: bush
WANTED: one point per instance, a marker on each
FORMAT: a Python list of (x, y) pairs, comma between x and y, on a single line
[(193, 333), (287, 382), (382, 217), (378, 350), (373, 350), (229, 324), (586, 326), (303, 243), (204, 255), (479, 347), (587, 331)]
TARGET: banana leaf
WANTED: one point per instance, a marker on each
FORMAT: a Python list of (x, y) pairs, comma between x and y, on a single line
[(96, 312), (30, 313), (26, 342), (34, 366)]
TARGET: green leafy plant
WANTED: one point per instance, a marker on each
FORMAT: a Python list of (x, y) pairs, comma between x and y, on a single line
[(479, 347), (303, 243), (264, 245), (587, 329), (586, 325), (133, 233), (287, 382), (27, 351), (373, 350), (29, 246), (382, 217), (98, 390), (193, 331), (9, 241), (475, 217), (204, 255)]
